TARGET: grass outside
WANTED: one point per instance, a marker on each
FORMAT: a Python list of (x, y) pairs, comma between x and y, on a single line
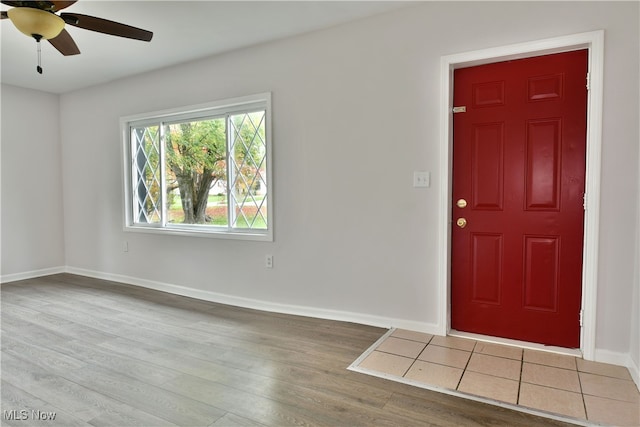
[(217, 212)]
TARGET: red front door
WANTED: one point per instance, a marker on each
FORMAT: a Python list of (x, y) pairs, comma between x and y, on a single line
[(518, 186)]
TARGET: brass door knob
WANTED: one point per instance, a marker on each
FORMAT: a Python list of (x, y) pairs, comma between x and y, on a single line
[(461, 203), (461, 222)]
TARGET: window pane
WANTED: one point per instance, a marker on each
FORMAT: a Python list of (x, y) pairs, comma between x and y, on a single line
[(146, 167), (248, 170), (195, 172)]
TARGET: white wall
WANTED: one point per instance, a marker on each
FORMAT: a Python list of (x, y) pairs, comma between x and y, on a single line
[(32, 216), (634, 338), (355, 112)]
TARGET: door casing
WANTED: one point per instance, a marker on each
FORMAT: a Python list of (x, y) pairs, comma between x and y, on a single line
[(594, 42)]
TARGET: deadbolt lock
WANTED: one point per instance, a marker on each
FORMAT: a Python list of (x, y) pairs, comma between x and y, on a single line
[(461, 203), (461, 222)]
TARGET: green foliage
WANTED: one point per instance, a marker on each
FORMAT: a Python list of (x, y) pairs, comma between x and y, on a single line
[(197, 147), (195, 160)]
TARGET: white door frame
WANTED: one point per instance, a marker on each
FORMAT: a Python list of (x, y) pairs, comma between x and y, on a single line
[(594, 42)]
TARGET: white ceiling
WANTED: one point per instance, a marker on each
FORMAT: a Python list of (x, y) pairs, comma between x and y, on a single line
[(183, 31)]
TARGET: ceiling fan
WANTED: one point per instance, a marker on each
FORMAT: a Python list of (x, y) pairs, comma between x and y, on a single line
[(38, 19)]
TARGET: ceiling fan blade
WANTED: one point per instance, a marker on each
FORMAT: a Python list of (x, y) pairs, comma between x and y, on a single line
[(105, 26), (3, 14), (65, 44), (59, 5), (49, 6)]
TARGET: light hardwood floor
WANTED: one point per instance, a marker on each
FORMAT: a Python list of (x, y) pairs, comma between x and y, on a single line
[(105, 354)]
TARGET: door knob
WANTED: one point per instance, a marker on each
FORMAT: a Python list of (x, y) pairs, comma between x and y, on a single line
[(461, 222), (461, 203)]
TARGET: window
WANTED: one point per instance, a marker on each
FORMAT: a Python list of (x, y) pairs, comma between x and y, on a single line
[(200, 170)]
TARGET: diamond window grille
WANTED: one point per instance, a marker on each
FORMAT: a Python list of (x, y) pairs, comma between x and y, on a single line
[(147, 180), (223, 146), (247, 170)]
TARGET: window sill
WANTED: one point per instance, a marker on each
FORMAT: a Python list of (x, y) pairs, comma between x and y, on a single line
[(209, 232)]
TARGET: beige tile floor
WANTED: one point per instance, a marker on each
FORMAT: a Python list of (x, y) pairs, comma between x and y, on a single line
[(564, 385)]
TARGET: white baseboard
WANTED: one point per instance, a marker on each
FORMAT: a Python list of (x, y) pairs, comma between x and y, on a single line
[(634, 370), (612, 357), (298, 310), (621, 359), (7, 278)]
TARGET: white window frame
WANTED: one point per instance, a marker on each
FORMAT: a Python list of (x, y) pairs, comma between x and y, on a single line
[(193, 112)]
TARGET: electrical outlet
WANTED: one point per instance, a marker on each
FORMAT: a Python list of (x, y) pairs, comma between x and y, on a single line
[(268, 262)]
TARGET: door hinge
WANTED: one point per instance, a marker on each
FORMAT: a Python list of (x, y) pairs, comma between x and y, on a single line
[(462, 109), (588, 81), (581, 316)]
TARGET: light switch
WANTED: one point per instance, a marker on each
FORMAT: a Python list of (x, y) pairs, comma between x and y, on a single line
[(421, 179)]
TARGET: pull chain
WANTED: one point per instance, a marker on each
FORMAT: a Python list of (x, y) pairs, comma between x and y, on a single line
[(38, 37)]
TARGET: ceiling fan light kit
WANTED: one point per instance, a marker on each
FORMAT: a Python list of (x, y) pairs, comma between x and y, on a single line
[(32, 22)]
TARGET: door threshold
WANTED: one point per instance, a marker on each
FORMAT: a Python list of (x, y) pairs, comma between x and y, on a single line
[(516, 343)]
